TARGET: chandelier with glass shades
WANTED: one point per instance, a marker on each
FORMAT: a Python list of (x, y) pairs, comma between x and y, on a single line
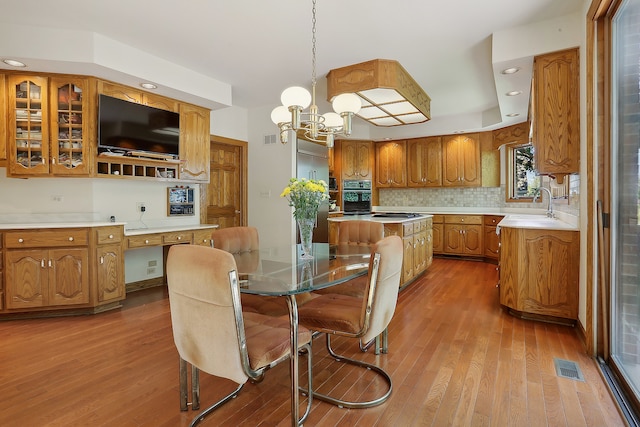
[(322, 128)]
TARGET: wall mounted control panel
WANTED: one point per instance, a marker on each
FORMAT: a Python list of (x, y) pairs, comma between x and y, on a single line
[(180, 201)]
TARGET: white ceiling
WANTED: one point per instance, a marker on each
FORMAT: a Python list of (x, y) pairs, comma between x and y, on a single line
[(260, 47)]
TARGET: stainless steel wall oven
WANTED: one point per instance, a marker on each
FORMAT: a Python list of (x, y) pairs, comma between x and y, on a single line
[(356, 196)]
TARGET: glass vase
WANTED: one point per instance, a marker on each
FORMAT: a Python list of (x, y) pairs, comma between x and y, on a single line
[(305, 226)]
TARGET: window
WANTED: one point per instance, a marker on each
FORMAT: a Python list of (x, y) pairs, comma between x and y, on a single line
[(522, 180)]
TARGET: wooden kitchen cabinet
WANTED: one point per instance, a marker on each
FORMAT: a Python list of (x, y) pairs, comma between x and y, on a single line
[(461, 161), (438, 234), (138, 96), (491, 238), (463, 235), (1, 274), (50, 130), (109, 264), (417, 250), (556, 112), (3, 122), (194, 143), (46, 268), (391, 161), (357, 159), (539, 272), (424, 162)]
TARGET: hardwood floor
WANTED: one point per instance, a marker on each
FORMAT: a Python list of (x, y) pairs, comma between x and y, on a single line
[(456, 358)]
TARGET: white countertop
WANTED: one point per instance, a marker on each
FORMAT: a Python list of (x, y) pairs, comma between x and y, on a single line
[(537, 222), (378, 219), (58, 225), (167, 229)]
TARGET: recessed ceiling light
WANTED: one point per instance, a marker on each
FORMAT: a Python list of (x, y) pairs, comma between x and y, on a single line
[(14, 63), (459, 131), (148, 85), (514, 93), (513, 114), (511, 70)]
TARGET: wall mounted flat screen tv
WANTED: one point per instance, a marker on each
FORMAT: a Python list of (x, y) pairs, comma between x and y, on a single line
[(131, 129)]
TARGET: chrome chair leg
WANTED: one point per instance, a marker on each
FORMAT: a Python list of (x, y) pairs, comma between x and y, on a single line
[(184, 398), (347, 404), (202, 415), (195, 388)]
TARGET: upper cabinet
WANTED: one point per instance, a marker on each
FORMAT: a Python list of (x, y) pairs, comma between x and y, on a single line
[(391, 160), (126, 93), (556, 112), (3, 114), (194, 143), (424, 162), (28, 139), (461, 160), (357, 159)]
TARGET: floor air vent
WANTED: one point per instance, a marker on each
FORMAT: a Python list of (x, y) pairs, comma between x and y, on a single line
[(568, 369)]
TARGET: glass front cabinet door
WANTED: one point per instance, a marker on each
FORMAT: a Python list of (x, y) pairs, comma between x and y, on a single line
[(47, 127), (28, 136), (69, 122)]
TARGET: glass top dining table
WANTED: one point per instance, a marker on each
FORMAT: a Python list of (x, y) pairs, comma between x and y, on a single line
[(281, 271)]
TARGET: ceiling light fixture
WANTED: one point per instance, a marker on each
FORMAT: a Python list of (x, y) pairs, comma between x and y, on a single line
[(511, 70), (314, 126), (390, 96), (14, 63), (148, 85), (514, 93)]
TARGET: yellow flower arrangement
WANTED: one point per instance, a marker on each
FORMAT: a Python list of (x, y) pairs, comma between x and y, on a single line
[(305, 195)]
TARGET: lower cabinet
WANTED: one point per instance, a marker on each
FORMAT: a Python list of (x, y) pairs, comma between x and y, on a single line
[(438, 234), (109, 264), (42, 278), (417, 243), (491, 238), (539, 271), (463, 235)]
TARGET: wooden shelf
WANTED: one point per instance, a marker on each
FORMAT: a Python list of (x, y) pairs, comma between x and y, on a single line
[(126, 167)]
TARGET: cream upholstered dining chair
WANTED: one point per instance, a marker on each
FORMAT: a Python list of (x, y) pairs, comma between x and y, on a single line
[(359, 232), (244, 243), (212, 333), (363, 317)]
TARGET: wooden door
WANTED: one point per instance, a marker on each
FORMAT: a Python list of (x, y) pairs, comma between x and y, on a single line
[(407, 260), (461, 161), (391, 161), (438, 238), (226, 193), (26, 281), (194, 136), (472, 238), (356, 159), (453, 242), (491, 242), (424, 162), (110, 268), (68, 276)]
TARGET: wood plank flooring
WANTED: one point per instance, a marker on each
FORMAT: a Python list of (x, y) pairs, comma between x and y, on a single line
[(456, 359)]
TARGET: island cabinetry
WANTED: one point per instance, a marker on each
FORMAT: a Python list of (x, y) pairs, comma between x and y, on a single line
[(463, 235), (356, 159), (491, 238), (391, 160), (47, 268), (539, 272), (424, 162), (461, 160), (556, 112), (109, 262), (438, 234), (417, 252)]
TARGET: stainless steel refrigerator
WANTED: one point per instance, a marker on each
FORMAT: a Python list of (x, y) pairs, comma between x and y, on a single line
[(312, 162)]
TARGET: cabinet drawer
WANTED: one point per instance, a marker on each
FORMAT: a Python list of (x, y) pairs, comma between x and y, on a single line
[(143, 241), (177, 237), (106, 235), (428, 223), (202, 237), (463, 219), (438, 219), (407, 229), (46, 238), (492, 219)]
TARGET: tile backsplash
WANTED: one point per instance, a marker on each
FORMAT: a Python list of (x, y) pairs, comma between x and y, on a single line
[(477, 197)]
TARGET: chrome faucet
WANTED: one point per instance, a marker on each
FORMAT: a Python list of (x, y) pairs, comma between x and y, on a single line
[(550, 213)]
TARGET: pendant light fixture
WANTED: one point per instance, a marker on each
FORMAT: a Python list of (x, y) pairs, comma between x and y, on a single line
[(292, 114)]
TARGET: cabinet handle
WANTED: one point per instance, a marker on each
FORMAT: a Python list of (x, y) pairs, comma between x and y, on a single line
[(179, 237), (42, 263), (461, 219), (20, 240), (205, 240), (111, 236), (50, 264), (146, 242), (101, 260), (71, 239)]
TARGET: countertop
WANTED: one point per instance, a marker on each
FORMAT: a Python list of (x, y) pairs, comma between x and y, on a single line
[(167, 229), (80, 224), (378, 219), (535, 221)]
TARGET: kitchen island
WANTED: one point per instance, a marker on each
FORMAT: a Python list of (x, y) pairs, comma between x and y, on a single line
[(416, 231)]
